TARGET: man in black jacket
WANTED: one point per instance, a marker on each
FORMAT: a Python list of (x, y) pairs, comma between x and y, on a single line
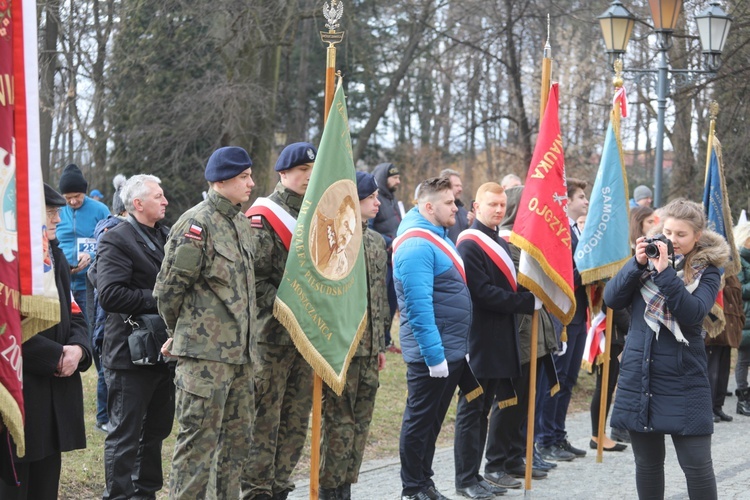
[(53, 395), (464, 216), (493, 340), (141, 398)]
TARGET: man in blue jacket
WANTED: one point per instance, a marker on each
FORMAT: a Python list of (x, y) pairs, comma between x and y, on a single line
[(435, 310)]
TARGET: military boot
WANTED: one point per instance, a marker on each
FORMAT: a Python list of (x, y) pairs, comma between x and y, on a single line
[(328, 494), (743, 402), (345, 491)]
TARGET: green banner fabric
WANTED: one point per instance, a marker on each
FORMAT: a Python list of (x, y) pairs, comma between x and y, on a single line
[(322, 298)]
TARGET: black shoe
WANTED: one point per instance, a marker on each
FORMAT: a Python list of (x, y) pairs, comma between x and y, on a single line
[(474, 491), (502, 479), (722, 416), (615, 447), (565, 445), (495, 490), (328, 494), (520, 471), (620, 435), (555, 453), (717, 418), (422, 495), (103, 426), (434, 494), (540, 463)]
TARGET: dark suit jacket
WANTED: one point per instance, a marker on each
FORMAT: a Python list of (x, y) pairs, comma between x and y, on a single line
[(582, 301), (493, 339), (126, 273), (53, 405)]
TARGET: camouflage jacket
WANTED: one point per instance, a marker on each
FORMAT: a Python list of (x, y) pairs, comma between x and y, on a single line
[(269, 257), (376, 260), (205, 288)]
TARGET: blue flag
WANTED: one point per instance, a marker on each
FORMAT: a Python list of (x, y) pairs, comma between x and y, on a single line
[(715, 204), (603, 246)]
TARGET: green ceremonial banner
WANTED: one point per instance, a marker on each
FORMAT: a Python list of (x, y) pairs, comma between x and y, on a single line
[(322, 298)]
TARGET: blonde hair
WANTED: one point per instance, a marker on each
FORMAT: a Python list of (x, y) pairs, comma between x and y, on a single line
[(692, 213), (488, 187)]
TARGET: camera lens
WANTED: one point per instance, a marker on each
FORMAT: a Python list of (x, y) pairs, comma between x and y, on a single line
[(652, 251)]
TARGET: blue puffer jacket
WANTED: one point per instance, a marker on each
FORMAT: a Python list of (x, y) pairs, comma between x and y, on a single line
[(434, 301), (663, 384)]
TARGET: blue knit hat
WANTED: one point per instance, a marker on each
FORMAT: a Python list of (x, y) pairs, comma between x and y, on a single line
[(226, 163), (366, 185), (296, 154)]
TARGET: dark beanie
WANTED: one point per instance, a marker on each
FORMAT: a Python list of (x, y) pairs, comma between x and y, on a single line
[(226, 163), (52, 198), (392, 170), (72, 181), (296, 154), (366, 185)]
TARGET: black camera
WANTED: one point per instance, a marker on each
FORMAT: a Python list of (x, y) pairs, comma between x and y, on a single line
[(652, 250)]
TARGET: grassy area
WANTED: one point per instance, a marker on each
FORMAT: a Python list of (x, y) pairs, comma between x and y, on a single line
[(83, 470)]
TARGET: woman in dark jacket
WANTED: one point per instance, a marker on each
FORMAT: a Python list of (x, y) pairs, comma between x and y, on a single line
[(663, 386), (53, 395)]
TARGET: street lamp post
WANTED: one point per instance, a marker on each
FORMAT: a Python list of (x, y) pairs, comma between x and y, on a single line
[(617, 26)]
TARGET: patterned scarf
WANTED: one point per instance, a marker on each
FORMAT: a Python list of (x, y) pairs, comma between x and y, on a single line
[(657, 312)]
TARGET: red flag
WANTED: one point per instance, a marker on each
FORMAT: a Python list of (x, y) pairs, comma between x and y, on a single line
[(541, 230), (27, 290)]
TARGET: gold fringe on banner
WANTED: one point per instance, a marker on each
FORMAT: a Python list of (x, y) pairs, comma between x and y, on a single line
[(335, 381), (474, 394), (39, 313), (12, 419), (508, 402)]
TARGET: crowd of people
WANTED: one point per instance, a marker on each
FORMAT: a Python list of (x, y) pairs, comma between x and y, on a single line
[(228, 374)]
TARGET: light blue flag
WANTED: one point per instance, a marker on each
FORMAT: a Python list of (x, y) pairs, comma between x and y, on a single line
[(603, 246)]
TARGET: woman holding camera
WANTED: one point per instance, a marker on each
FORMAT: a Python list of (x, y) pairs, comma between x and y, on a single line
[(663, 386)]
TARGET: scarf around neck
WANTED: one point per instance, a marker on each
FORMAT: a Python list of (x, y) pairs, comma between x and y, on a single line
[(657, 312)]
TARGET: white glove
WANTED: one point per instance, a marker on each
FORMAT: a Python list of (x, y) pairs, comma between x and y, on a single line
[(563, 350), (439, 371), (537, 303)]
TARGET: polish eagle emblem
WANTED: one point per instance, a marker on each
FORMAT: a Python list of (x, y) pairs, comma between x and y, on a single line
[(333, 12)]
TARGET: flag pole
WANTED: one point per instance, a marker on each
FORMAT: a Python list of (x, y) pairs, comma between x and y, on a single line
[(617, 82), (713, 111), (544, 97), (546, 75), (332, 14)]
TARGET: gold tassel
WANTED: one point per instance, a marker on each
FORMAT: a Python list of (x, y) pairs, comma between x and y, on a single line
[(555, 389), (564, 335)]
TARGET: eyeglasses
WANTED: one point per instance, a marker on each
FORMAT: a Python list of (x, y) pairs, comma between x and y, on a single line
[(51, 212)]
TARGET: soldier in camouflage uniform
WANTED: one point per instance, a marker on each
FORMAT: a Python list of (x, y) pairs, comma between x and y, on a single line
[(206, 295), (347, 417), (283, 379)]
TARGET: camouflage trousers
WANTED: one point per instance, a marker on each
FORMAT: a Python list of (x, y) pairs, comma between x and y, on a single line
[(283, 399), (346, 423), (214, 413)]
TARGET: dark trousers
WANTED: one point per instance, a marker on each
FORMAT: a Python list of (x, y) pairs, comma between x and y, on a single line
[(506, 442), (719, 360), (141, 411), (693, 454), (596, 399), (554, 409), (471, 433), (426, 405), (39, 480)]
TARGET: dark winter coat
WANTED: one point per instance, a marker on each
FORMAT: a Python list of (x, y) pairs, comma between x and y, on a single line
[(663, 385), (493, 339), (389, 216), (462, 221), (54, 405), (744, 276), (126, 274)]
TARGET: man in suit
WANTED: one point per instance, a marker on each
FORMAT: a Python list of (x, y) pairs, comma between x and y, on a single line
[(493, 339), (140, 397), (551, 437)]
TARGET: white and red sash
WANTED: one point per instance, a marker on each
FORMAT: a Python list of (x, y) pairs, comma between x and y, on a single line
[(504, 234), (434, 239), (494, 251), (281, 221)]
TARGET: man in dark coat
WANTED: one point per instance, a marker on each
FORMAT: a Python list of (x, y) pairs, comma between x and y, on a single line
[(493, 339), (464, 216), (53, 395), (140, 398), (386, 223)]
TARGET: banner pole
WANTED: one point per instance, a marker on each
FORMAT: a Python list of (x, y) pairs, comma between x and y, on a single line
[(713, 110), (604, 388), (546, 76), (332, 15), (532, 400)]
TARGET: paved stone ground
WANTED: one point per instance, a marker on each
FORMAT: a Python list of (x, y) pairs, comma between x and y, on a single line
[(583, 478)]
